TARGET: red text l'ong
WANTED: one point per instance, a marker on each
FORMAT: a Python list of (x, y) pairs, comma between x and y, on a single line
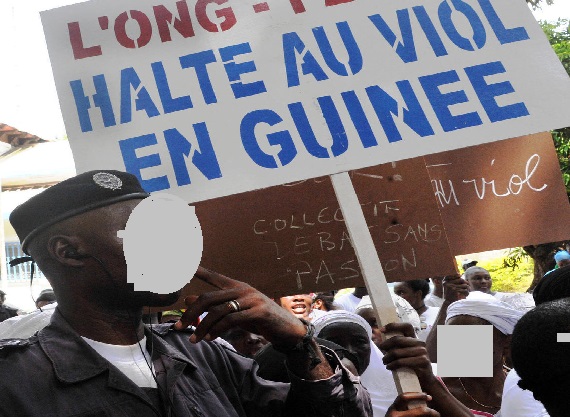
[(164, 19)]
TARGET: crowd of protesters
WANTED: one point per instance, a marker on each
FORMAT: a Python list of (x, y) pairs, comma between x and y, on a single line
[(464, 300), (235, 352)]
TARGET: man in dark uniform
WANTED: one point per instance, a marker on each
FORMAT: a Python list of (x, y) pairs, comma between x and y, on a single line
[(5, 311), (96, 358)]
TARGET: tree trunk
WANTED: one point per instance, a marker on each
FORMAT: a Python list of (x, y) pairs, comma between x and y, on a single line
[(543, 257)]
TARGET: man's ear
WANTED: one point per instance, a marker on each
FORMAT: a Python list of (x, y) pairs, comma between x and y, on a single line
[(64, 249)]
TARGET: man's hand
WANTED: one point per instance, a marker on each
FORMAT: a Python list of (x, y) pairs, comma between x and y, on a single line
[(406, 351), (399, 407), (454, 288), (257, 313)]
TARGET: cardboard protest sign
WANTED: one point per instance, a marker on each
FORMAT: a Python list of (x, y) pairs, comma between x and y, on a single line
[(502, 194), (206, 98), (292, 238)]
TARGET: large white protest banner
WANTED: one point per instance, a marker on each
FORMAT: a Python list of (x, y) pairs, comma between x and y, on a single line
[(206, 98)]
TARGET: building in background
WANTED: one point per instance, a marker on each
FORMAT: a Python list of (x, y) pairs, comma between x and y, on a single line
[(28, 165)]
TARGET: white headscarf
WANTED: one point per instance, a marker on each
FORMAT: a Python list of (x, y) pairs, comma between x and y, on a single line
[(405, 311), (486, 307), (340, 316)]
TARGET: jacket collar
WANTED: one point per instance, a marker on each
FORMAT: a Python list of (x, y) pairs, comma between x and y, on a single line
[(159, 346), (73, 360)]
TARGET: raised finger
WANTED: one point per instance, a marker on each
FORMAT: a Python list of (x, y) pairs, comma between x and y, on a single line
[(400, 342), (204, 303), (448, 278), (226, 322), (402, 400), (422, 412), (415, 396), (402, 406), (216, 280), (402, 353), (419, 363), (248, 318), (459, 287), (215, 315), (405, 329)]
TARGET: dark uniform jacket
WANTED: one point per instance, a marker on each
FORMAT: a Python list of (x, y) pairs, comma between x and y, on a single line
[(7, 312), (56, 373)]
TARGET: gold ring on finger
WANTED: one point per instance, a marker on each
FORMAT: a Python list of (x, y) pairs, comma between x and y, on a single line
[(233, 306)]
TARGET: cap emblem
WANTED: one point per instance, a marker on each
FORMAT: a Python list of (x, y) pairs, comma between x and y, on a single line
[(107, 180)]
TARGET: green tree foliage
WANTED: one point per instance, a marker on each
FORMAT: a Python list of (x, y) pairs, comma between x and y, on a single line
[(509, 278), (506, 279), (562, 143), (558, 34)]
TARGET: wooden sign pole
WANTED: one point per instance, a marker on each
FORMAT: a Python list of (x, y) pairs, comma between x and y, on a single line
[(406, 379)]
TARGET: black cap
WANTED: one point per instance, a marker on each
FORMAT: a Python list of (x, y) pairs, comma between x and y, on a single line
[(468, 263), (46, 295), (76, 195)]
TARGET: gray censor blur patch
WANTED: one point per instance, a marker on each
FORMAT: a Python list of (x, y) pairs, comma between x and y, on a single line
[(163, 244), (465, 351), (563, 337)]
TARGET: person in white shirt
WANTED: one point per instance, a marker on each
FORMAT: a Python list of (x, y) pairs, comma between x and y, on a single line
[(300, 306), (479, 279), (24, 326), (404, 310), (350, 301), (414, 292), (516, 401), (435, 297), (483, 395), (541, 358)]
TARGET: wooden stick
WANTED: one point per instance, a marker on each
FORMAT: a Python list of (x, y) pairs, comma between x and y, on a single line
[(405, 378)]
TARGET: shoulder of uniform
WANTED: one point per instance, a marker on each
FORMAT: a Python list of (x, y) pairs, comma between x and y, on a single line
[(11, 345)]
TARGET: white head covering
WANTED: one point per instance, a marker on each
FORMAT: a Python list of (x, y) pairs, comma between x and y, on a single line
[(340, 316), (521, 301), (316, 313), (405, 311), (486, 307)]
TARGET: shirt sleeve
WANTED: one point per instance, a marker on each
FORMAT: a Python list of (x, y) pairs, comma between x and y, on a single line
[(340, 395), (517, 402)]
